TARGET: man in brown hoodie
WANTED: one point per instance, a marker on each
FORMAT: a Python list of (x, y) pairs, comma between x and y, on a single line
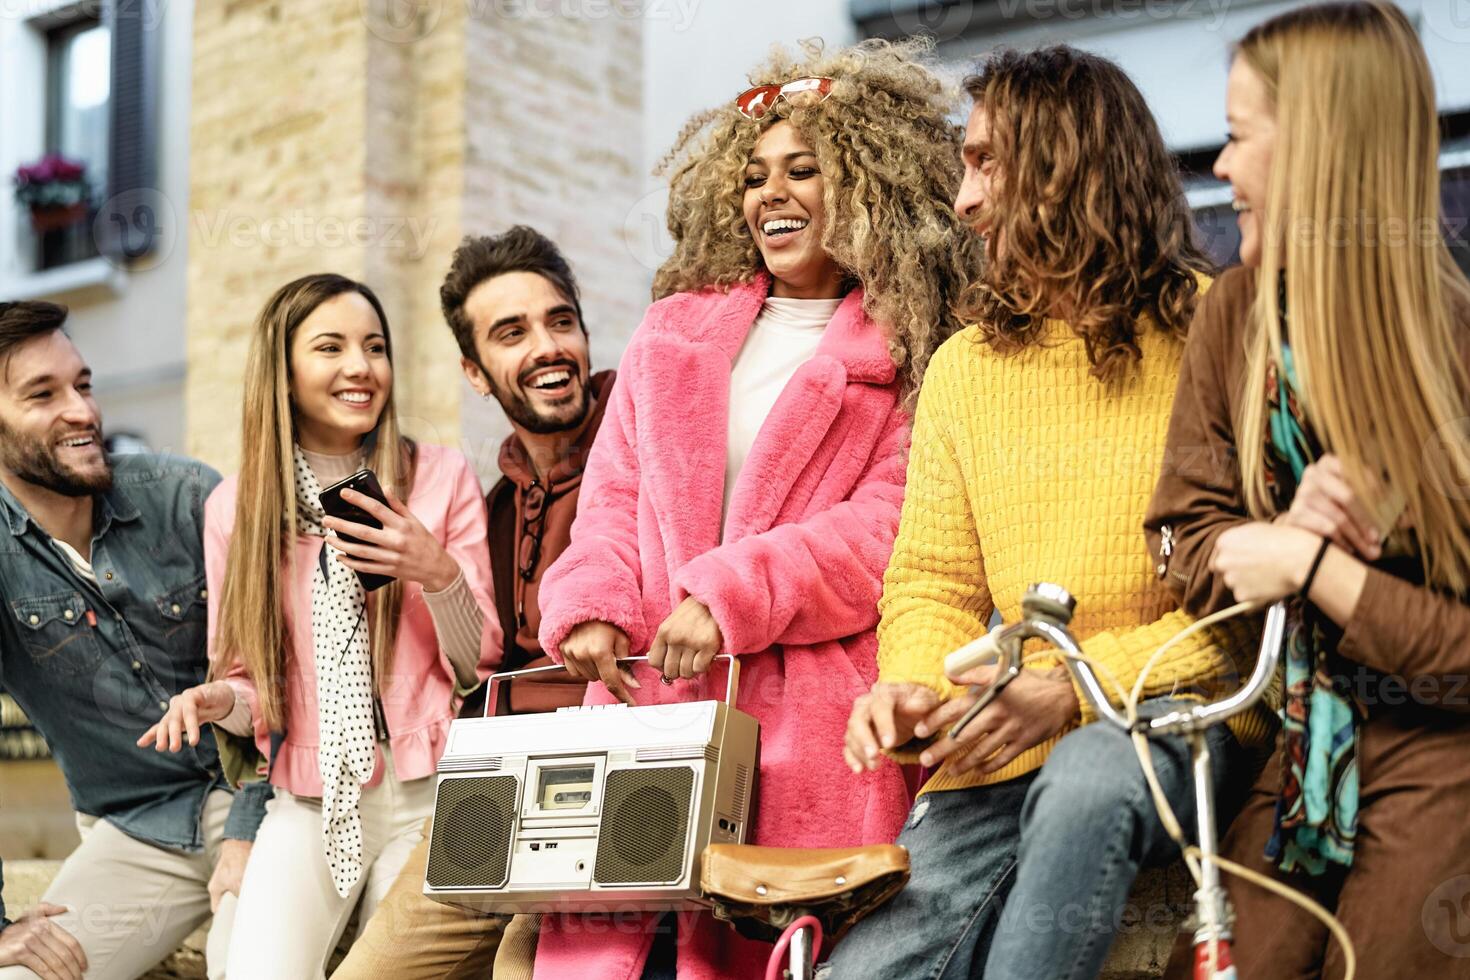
[(512, 302)]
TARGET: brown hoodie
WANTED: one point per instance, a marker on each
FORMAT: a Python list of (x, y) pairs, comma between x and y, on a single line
[(516, 596)]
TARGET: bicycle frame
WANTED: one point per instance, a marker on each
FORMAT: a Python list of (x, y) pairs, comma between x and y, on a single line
[(1047, 611)]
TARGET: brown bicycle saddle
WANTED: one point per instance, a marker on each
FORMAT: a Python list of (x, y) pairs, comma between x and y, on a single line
[(762, 890)]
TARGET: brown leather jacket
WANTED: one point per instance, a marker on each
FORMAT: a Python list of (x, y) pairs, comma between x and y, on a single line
[(1398, 627)]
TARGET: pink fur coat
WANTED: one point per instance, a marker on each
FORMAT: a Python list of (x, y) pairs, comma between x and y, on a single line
[(792, 579)]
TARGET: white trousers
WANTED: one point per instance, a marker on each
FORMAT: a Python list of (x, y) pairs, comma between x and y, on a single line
[(289, 916), (132, 903)]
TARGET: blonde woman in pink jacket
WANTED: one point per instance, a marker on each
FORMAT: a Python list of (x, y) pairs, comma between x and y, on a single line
[(343, 696), (743, 494)]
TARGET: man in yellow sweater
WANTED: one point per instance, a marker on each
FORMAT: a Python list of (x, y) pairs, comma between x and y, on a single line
[(1038, 438)]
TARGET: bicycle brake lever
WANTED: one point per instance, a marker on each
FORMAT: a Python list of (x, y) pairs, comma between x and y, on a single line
[(990, 694)]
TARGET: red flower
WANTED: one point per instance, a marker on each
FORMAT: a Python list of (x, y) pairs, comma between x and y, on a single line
[(52, 168)]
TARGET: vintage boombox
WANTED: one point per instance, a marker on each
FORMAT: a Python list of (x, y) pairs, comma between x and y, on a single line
[(590, 808)]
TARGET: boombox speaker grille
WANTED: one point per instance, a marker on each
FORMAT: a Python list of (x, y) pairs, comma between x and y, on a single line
[(473, 819), (645, 826)]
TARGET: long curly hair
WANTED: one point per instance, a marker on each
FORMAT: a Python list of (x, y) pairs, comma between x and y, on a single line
[(889, 151), (1087, 211)]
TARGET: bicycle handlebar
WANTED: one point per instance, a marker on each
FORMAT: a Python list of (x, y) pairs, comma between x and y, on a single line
[(1048, 610)]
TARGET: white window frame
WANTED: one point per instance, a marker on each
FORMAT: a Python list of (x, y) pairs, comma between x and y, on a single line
[(23, 53)]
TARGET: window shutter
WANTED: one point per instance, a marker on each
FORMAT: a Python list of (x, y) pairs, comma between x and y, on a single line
[(128, 226)]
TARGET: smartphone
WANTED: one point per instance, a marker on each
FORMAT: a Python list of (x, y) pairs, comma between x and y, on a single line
[(366, 483)]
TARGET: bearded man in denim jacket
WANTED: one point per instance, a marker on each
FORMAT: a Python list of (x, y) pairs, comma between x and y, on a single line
[(102, 621)]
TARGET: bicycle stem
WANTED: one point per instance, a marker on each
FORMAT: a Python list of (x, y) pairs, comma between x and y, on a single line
[(1048, 610), (1212, 905)]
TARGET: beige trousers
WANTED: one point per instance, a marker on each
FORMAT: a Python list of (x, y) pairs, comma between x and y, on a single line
[(132, 903), (412, 937), (289, 916)]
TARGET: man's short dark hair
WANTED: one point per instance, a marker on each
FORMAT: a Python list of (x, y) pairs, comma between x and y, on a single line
[(20, 322), (482, 257)]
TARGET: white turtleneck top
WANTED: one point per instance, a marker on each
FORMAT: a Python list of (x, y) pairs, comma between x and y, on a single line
[(784, 337)]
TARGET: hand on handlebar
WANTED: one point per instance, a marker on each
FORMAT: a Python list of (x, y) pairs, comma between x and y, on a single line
[(591, 652), (1034, 707), (884, 718)]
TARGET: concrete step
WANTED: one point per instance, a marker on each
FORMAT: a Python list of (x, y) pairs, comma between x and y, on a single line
[(1156, 908), (36, 819)]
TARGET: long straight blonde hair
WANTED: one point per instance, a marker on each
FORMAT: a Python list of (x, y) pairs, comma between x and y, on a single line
[(1375, 306), (258, 571)]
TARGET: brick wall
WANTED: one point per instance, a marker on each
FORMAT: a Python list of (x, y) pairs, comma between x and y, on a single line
[(340, 135), (277, 165), (553, 139)]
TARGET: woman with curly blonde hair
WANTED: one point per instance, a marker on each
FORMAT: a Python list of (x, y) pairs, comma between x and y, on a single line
[(883, 137), (743, 494)]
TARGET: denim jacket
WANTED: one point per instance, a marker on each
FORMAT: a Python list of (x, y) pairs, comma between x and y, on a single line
[(94, 665)]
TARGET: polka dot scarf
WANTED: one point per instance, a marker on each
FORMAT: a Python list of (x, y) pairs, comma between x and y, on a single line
[(344, 682)]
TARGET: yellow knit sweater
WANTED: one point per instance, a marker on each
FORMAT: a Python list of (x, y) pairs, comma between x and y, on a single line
[(1026, 468)]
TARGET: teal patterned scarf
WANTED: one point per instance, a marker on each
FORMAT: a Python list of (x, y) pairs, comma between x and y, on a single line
[(1317, 811)]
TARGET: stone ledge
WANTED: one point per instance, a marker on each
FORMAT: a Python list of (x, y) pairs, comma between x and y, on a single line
[(1157, 905)]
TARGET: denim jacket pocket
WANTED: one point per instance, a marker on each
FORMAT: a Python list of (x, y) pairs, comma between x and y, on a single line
[(183, 611), (57, 632)]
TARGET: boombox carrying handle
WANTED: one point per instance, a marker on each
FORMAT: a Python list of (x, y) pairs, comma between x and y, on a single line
[(732, 680)]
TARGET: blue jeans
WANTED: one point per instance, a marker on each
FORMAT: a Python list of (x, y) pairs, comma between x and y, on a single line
[(1027, 879)]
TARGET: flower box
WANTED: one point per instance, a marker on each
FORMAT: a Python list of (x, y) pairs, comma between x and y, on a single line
[(55, 191), (45, 219)]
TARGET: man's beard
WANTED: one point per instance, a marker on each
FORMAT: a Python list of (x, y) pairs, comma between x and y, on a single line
[(518, 407), (33, 461)]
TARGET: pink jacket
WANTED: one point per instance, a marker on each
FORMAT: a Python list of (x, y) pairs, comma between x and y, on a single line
[(418, 700), (793, 580)]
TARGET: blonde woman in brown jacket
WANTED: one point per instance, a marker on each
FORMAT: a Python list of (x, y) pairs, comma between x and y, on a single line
[(1318, 452)]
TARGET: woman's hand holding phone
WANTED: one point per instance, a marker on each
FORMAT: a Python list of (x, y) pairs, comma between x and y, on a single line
[(403, 548)]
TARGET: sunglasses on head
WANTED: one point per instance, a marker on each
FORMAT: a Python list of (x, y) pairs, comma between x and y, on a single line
[(756, 102)]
